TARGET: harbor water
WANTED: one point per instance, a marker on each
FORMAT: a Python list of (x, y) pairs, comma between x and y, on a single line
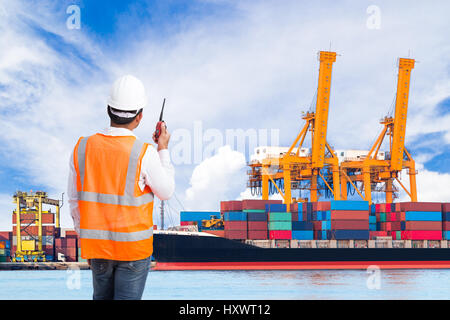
[(239, 285)]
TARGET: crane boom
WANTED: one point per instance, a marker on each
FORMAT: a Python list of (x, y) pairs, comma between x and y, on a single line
[(322, 106), (401, 110)]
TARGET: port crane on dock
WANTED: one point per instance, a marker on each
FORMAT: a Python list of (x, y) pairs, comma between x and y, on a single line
[(371, 171)]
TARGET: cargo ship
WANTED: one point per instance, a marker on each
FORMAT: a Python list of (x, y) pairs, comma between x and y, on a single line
[(327, 244)]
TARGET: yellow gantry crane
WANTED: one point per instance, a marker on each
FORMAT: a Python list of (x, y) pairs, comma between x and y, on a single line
[(292, 167), (371, 170), (28, 214)]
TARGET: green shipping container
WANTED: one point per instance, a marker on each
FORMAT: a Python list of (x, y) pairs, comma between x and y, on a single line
[(280, 216), (3, 259), (383, 217), (2, 252), (280, 225), (254, 210)]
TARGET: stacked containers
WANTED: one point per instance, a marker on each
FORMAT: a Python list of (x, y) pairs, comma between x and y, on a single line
[(390, 219), (446, 221), (280, 222), (68, 245), (235, 224), (5, 247), (349, 220), (30, 231), (257, 224), (423, 220)]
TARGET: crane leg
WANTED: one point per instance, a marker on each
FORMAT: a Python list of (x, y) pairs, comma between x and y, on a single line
[(313, 190), (389, 191), (336, 183), (343, 188), (367, 186), (412, 183)]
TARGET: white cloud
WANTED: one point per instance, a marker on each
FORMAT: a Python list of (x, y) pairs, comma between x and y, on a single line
[(214, 179), (255, 68), (432, 186)]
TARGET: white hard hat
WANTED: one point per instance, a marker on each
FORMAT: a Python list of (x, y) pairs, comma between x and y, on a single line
[(127, 94)]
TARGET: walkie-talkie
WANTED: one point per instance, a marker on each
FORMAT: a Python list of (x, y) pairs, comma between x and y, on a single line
[(160, 122)]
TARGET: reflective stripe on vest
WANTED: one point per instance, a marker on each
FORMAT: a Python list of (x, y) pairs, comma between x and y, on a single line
[(116, 236), (128, 199)]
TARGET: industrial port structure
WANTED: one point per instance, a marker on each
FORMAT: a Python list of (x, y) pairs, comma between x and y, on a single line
[(373, 171)]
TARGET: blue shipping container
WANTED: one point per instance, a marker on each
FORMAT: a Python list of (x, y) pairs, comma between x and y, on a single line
[(349, 234), (326, 225), (257, 216), (349, 205), (302, 225), (302, 235), (372, 219), (446, 235), (275, 207), (445, 216), (324, 235), (235, 216), (372, 227), (197, 215), (423, 216)]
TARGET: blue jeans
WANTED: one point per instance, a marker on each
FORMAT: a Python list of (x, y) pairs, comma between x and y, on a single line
[(119, 280)]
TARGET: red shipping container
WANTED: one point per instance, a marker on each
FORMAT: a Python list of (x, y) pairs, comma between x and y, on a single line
[(374, 234), (421, 235), (349, 224), (295, 216), (188, 223), (445, 225), (349, 215), (236, 234), (232, 205), (377, 208), (424, 225), (258, 204), (294, 207), (382, 207), (446, 207), (388, 226), (421, 206), (393, 216), (71, 242), (257, 225), (396, 226), (280, 234), (33, 230), (388, 208), (257, 234), (323, 205), (235, 225), (4, 235), (47, 218)]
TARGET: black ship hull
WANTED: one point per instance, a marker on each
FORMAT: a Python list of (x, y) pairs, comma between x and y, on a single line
[(196, 252)]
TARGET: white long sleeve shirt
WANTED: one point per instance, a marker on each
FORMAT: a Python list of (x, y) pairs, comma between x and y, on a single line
[(156, 171)]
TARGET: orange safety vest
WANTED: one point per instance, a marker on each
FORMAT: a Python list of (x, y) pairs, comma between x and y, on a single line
[(116, 219)]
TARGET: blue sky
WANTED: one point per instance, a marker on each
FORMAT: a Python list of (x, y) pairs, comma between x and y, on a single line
[(245, 64)]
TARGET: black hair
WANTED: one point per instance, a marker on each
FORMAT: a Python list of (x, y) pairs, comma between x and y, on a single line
[(122, 120)]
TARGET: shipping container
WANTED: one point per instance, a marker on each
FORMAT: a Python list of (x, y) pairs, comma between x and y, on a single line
[(257, 234), (280, 225), (302, 234), (257, 225), (280, 216), (235, 225), (235, 216), (349, 215), (423, 216), (258, 204), (420, 206), (280, 234), (349, 205)]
